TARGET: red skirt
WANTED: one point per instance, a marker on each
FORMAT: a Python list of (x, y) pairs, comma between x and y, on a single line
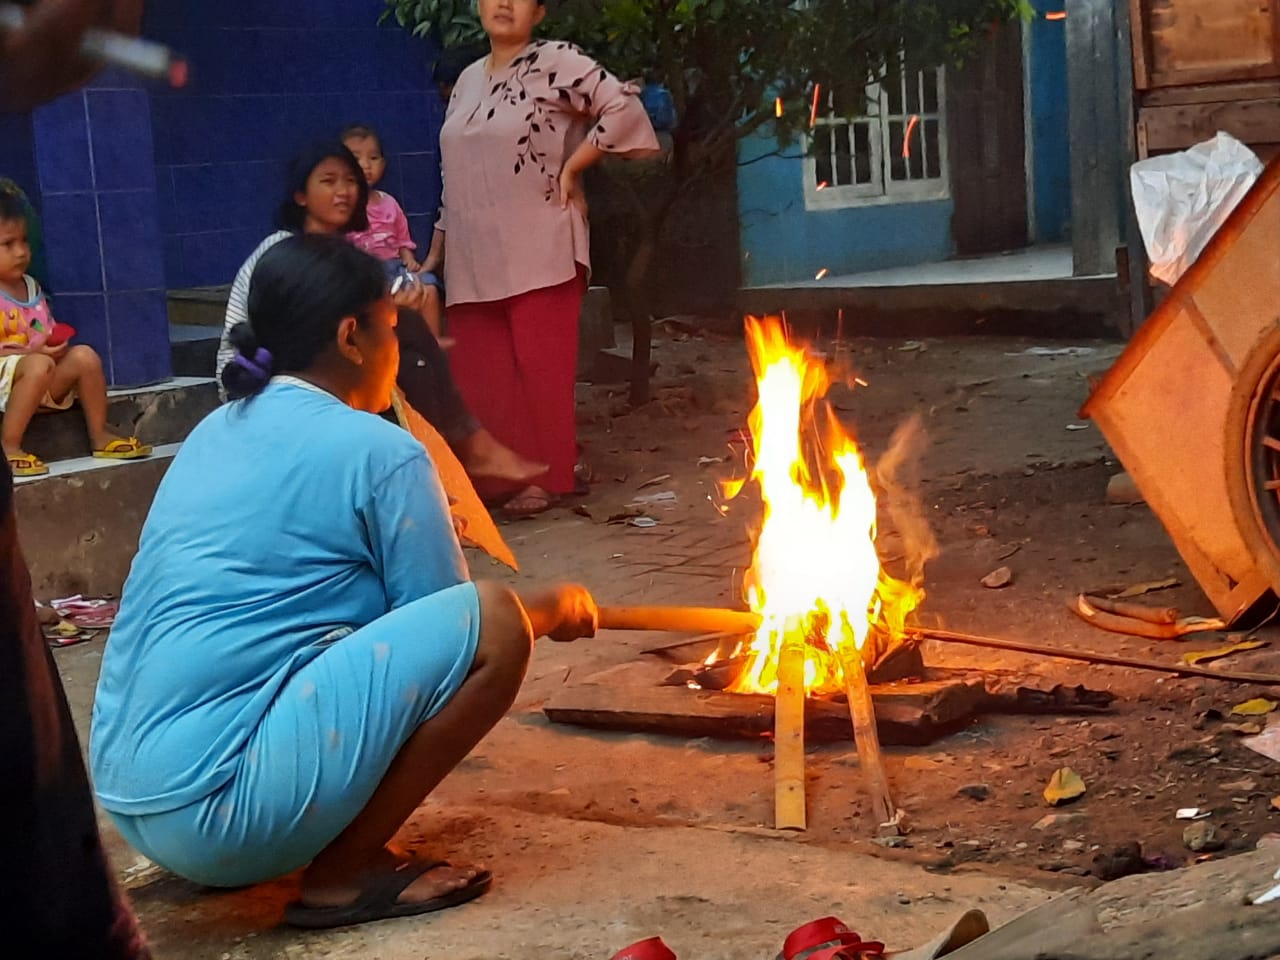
[(515, 362)]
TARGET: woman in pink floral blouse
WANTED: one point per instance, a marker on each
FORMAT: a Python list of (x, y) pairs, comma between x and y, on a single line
[(522, 126)]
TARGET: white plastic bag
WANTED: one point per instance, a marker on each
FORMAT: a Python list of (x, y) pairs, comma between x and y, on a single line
[(1183, 198)]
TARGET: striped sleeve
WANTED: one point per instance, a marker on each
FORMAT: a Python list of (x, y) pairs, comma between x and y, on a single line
[(238, 305)]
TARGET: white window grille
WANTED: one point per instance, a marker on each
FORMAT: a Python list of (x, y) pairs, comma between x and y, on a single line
[(858, 157)]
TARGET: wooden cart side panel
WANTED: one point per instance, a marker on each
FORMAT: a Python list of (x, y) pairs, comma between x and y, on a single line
[(1138, 34), (1176, 127), (1183, 42)]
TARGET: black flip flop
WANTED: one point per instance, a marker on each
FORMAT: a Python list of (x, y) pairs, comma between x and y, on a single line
[(380, 900)]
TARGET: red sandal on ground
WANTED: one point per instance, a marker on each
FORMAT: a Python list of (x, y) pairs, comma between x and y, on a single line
[(829, 939), (651, 949)]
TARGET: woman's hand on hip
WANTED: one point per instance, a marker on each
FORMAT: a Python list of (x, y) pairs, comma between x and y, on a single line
[(571, 190)]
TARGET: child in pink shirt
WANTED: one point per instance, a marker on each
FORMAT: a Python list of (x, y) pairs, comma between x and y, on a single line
[(388, 236), (38, 368)]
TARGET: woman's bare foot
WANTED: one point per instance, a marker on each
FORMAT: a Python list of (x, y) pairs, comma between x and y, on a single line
[(484, 456)]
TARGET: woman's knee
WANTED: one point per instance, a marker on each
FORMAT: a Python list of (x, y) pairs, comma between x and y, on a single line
[(506, 637)]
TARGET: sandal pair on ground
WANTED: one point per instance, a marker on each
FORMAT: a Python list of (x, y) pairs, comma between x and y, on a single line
[(24, 464), (829, 938), (826, 939)]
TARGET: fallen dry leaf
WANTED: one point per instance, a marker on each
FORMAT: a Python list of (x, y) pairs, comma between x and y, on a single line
[(1275, 803), (1248, 729), (1257, 707), (1141, 589), (997, 579), (1206, 656), (1064, 786)]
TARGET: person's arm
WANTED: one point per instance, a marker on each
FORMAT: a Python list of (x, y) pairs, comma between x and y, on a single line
[(435, 254), (414, 547), (620, 126), (42, 60)]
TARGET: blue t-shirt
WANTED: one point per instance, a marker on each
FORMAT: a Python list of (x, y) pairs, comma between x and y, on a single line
[(284, 521)]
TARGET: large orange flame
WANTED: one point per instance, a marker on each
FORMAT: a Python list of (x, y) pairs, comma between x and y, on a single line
[(815, 571)]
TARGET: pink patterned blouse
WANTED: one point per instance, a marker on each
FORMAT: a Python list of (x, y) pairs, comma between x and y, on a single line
[(388, 231), (505, 139)]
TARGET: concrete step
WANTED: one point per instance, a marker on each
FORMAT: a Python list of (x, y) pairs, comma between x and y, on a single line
[(199, 306), (80, 524), (193, 349), (161, 414)]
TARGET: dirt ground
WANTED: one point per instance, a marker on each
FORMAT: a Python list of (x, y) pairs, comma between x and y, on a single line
[(600, 839)]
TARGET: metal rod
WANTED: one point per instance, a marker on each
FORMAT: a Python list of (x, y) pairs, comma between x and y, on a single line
[(712, 620), (1040, 650), (788, 737), (866, 736)]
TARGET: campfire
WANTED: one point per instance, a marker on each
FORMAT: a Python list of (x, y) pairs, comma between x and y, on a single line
[(815, 579), (823, 615)]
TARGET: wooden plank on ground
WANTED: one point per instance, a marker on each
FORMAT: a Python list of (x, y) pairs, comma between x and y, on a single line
[(907, 714)]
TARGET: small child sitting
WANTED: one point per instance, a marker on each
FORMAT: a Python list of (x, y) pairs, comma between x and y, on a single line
[(39, 369), (388, 236)]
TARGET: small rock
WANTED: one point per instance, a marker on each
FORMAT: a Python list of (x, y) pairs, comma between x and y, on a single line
[(1072, 846), (975, 791), (1203, 836), (998, 579), (1100, 731), (1059, 821), (1121, 862), (1122, 490)]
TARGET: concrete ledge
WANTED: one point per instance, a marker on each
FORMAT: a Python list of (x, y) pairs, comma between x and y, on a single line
[(80, 525), (162, 414)]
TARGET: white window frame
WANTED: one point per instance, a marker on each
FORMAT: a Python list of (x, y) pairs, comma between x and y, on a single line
[(884, 190)]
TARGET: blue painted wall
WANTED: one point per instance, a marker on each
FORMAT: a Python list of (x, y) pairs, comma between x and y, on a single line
[(266, 79), (781, 241), (1050, 137)]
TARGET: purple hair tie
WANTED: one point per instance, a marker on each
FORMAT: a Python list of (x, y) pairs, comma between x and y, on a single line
[(259, 367)]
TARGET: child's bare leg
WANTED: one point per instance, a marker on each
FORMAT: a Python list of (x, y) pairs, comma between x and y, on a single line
[(31, 381), (81, 368)]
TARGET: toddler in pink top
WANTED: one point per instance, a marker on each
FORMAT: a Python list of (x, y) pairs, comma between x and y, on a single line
[(388, 236)]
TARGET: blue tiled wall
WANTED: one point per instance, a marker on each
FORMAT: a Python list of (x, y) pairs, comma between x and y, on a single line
[(266, 79), (17, 161), (97, 195)]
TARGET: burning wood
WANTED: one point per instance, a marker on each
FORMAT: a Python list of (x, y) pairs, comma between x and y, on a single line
[(817, 616)]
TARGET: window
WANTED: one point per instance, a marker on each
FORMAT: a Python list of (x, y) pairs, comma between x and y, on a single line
[(893, 150)]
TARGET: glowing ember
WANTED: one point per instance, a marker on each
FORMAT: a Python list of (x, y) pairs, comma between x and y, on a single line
[(777, 106), (815, 571), (822, 273), (1056, 15), (813, 111), (823, 185), (906, 140)]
